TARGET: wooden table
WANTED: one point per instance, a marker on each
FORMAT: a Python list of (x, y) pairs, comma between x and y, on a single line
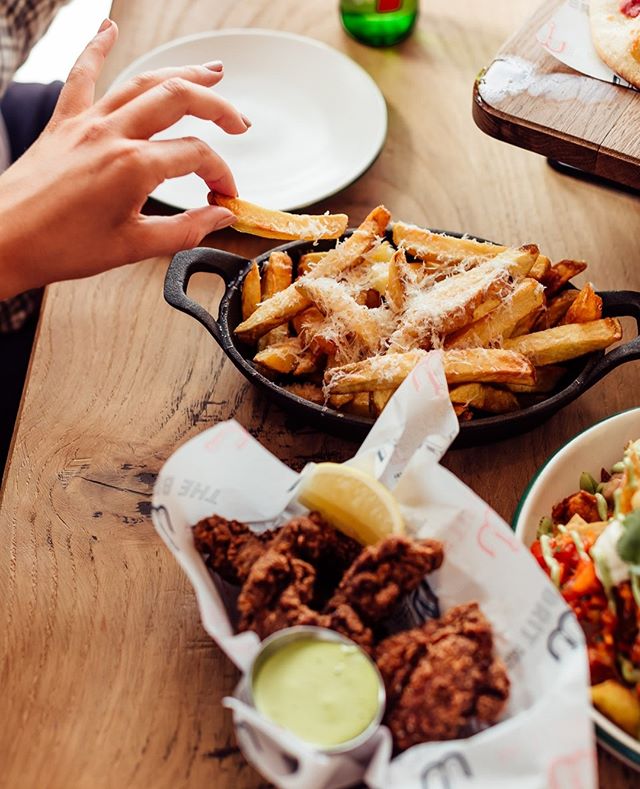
[(108, 678)]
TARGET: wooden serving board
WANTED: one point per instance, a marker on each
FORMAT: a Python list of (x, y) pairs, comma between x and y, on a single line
[(528, 98)]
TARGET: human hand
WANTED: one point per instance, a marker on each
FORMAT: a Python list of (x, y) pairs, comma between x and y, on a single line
[(70, 206)]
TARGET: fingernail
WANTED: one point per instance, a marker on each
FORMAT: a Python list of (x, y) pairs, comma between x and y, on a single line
[(246, 121), (105, 25), (215, 65)]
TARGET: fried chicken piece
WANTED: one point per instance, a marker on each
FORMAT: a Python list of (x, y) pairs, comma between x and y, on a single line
[(290, 582), (442, 679), (581, 503), (383, 573), (229, 548)]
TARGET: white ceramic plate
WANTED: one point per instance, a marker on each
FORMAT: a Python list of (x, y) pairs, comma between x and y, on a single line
[(319, 120), (598, 447)]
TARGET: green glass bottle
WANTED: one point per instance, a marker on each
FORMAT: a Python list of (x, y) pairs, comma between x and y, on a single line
[(379, 23)]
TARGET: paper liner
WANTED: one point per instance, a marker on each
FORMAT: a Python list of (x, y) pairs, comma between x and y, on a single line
[(567, 36), (545, 738)]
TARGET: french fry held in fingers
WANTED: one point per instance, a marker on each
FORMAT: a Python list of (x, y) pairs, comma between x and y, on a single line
[(498, 324), (251, 291), (438, 247), (276, 277), (289, 302), (483, 365), (288, 358), (483, 397), (267, 223), (566, 342), (586, 307)]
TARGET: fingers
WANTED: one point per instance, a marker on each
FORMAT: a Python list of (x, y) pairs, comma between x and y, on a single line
[(163, 105), (208, 76), (79, 90), (164, 235), (172, 158)]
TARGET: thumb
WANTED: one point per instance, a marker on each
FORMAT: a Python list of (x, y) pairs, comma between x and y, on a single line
[(165, 235), (78, 92)]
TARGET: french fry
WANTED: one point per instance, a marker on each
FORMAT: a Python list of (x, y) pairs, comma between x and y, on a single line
[(288, 358), (340, 400), (332, 300), (380, 253), (289, 302), (485, 308), (555, 310), (487, 365), (307, 391), (498, 324), (271, 313), (277, 224), (397, 283), (547, 379), (307, 324), (379, 399), (439, 248), (370, 375), (359, 405), (484, 398), (560, 273), (276, 276), (566, 342), (450, 304), (308, 261), (482, 365), (251, 294), (540, 268), (586, 307)]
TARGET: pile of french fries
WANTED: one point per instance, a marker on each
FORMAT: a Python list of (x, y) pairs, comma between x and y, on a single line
[(345, 327)]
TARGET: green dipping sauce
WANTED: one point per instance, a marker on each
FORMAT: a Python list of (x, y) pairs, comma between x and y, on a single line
[(325, 692)]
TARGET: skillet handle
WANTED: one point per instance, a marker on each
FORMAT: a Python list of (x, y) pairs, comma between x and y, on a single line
[(617, 304), (193, 261)]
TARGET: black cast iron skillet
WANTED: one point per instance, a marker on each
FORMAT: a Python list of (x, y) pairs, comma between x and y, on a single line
[(582, 374)]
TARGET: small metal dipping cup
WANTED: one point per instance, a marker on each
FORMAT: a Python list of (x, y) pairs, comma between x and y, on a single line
[(303, 633)]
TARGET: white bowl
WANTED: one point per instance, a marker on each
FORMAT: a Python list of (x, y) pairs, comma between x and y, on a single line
[(600, 446)]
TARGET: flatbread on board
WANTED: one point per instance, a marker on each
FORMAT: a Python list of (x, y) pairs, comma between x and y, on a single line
[(616, 37)]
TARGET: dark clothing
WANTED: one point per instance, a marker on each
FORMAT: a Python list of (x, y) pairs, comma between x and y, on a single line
[(26, 109)]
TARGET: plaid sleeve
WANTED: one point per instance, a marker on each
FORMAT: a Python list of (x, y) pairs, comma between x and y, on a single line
[(22, 23)]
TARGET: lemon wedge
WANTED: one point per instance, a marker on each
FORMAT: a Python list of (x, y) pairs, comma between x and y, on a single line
[(352, 501)]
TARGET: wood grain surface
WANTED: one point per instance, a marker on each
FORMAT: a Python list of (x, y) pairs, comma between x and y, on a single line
[(108, 678), (528, 98)]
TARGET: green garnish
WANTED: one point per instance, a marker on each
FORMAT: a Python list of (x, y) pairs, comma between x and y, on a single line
[(545, 526), (603, 507), (587, 482), (618, 467), (628, 546)]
